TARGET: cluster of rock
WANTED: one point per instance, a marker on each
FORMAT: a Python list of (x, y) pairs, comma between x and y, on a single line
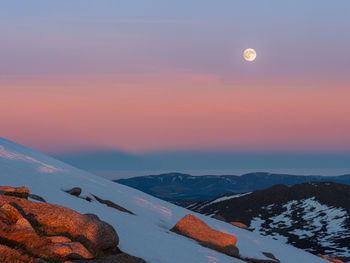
[(196, 229), (239, 224), (39, 232), (192, 227), (42, 232), (76, 191)]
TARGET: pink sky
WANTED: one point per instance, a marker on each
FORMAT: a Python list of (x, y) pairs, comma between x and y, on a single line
[(182, 111), (170, 76)]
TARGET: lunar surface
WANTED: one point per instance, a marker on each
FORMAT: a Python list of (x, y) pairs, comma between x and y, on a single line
[(249, 54)]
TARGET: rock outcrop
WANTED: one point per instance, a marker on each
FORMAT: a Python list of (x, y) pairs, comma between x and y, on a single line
[(192, 227), (76, 191), (8, 254), (30, 231), (21, 192), (239, 224), (37, 198), (112, 205)]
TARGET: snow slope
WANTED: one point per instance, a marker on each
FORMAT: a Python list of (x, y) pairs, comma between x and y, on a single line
[(224, 198), (145, 234), (325, 222)]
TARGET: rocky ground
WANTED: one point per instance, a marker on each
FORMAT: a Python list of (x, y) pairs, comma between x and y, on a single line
[(36, 231), (41, 232)]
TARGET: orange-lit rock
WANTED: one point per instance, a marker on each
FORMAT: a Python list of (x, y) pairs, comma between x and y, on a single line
[(239, 224), (52, 220), (21, 234), (9, 255), (196, 229), (21, 192), (33, 232)]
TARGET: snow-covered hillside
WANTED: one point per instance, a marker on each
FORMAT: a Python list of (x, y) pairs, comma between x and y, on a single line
[(322, 223), (313, 216), (145, 234)]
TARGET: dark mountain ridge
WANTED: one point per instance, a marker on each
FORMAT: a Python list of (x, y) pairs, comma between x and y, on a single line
[(178, 186), (314, 216)]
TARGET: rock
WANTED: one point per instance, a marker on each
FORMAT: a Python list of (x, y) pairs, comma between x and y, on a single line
[(254, 260), (76, 191), (37, 197), (32, 232), (228, 250), (119, 258), (22, 224), (192, 227), (272, 259), (21, 192), (70, 250), (239, 224), (113, 205), (10, 255), (58, 239), (9, 213), (22, 234), (270, 255), (52, 220), (331, 259)]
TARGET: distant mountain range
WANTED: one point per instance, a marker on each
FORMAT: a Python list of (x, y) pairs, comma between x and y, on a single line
[(178, 187), (312, 216)]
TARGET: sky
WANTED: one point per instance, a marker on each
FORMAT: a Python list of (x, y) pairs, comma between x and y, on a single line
[(150, 77)]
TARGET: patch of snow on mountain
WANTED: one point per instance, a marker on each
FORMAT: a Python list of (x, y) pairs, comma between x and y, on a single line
[(224, 198), (309, 217)]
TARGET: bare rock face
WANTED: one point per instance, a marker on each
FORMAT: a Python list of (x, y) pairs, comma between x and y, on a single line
[(40, 232), (119, 258), (254, 260), (94, 234), (70, 250), (113, 205), (21, 192), (239, 224), (8, 254), (331, 259), (37, 197), (192, 227), (272, 256), (76, 191), (21, 234)]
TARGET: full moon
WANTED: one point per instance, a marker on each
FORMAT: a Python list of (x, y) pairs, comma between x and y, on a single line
[(249, 54)]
